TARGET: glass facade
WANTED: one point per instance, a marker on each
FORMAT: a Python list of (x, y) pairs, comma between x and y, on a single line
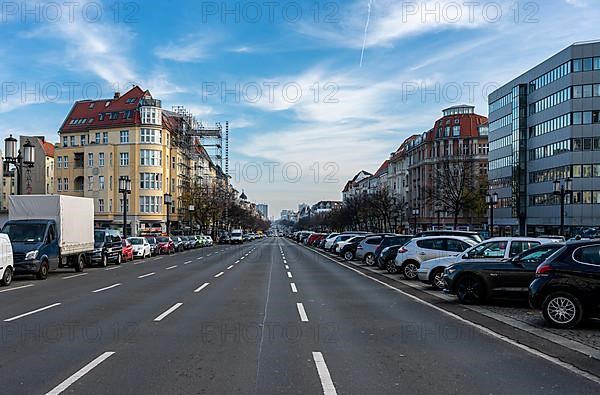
[(519, 162)]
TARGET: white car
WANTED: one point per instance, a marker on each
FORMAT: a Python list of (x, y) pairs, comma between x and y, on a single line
[(141, 247), (496, 249), (6, 260), (341, 244), (329, 241), (421, 249), (236, 237), (208, 240)]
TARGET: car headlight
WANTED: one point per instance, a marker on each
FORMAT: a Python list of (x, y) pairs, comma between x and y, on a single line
[(31, 255)]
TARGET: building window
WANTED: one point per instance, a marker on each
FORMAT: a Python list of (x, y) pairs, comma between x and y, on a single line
[(65, 141), (150, 158), (110, 159), (90, 159), (97, 138), (101, 159), (101, 183), (65, 184), (124, 159), (66, 162), (456, 131), (83, 139), (90, 183), (59, 185), (100, 205), (105, 137), (150, 181), (124, 136), (59, 162), (150, 136), (150, 204)]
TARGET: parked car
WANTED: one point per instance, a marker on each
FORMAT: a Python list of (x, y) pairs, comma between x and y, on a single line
[(179, 244), (236, 236), (475, 281), (127, 253), (472, 235), (421, 249), (329, 239), (347, 249), (6, 260), (141, 247), (387, 241), (388, 256), (567, 285), (366, 249), (339, 239), (312, 238), (496, 249), (153, 245), (341, 244), (165, 245), (108, 247)]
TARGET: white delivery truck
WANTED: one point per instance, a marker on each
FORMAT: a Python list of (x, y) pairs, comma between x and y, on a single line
[(49, 231)]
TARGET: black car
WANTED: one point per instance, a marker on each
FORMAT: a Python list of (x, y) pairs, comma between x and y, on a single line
[(108, 247), (387, 258), (475, 281), (567, 285), (396, 240), (179, 243), (153, 245), (348, 251)]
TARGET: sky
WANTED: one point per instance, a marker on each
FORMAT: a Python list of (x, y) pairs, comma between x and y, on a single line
[(314, 91)]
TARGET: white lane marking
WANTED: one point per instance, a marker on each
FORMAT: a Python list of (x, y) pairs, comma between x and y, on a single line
[(242, 258), (200, 288), (287, 267), (147, 275), (238, 261), (106, 288), (200, 257), (169, 311), (284, 261), (158, 259), (229, 267), (483, 329), (326, 382), (115, 267), (289, 275), (31, 312), (302, 312), (219, 275), (15, 288), (294, 289), (187, 262), (79, 374), (171, 267), (75, 275)]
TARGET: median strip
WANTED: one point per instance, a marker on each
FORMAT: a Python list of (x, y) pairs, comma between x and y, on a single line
[(79, 374), (31, 312), (169, 311), (107, 288)]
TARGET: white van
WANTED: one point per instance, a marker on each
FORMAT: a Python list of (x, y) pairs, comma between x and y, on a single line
[(237, 236), (6, 260)]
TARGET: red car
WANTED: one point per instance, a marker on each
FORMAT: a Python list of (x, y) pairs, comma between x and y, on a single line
[(165, 245), (314, 237), (127, 250)]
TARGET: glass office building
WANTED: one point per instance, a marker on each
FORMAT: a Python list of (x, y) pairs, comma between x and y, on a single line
[(544, 126)]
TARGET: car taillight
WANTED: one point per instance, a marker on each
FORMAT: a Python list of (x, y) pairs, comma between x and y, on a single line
[(402, 250), (543, 270)]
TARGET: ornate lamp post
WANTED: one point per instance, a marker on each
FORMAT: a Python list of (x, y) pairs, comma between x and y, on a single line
[(125, 189), (191, 209), (563, 189), (20, 161), (168, 199), (415, 213), (491, 201)]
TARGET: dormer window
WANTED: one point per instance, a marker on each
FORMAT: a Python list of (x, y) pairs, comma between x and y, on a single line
[(92, 104), (107, 103)]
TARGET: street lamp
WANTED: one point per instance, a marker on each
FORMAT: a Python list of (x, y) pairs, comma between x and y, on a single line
[(191, 209), (14, 157), (125, 189), (168, 202), (491, 201), (415, 213), (563, 189)]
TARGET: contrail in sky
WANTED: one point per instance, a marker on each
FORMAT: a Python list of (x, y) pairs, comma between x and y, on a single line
[(362, 54)]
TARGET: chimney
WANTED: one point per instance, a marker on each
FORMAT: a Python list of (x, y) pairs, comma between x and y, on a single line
[(117, 95)]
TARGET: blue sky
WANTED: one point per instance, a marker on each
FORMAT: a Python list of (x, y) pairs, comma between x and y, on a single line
[(419, 57)]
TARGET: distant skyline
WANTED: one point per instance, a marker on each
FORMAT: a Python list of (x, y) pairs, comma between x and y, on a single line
[(246, 63)]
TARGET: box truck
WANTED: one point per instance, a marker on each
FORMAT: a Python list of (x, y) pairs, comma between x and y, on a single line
[(49, 231)]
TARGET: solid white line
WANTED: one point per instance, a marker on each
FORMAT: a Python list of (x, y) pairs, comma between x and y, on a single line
[(31, 312), (229, 267), (187, 262), (289, 275), (200, 288), (105, 288), (483, 329), (15, 288), (294, 289), (171, 267), (147, 275), (287, 267), (219, 275), (79, 374), (166, 313), (115, 267), (302, 312), (326, 382), (75, 275)]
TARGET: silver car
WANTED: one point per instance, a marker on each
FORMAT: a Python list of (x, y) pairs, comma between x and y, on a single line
[(366, 249)]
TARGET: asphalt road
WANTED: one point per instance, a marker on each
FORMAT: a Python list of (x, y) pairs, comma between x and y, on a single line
[(265, 317)]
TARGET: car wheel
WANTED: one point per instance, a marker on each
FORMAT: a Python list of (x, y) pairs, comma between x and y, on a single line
[(370, 259), (104, 260), (80, 264), (437, 279), (7, 277), (119, 259), (42, 274), (562, 310), (409, 270), (470, 290), (391, 267), (348, 255)]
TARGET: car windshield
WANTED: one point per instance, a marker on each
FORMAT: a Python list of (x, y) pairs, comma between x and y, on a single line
[(136, 241), (99, 236), (25, 232), (151, 240), (162, 239)]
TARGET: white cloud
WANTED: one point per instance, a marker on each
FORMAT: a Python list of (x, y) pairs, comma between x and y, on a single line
[(191, 48)]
